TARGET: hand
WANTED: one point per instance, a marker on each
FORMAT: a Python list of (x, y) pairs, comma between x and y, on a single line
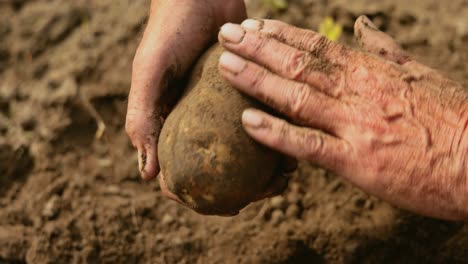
[(388, 124), (176, 34)]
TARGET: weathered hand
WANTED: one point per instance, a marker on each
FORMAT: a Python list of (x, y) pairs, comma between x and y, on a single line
[(388, 124), (177, 33)]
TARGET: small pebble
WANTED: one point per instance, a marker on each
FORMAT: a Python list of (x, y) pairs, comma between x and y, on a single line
[(293, 211), (369, 205), (51, 208), (278, 202), (112, 190), (277, 217), (167, 219), (177, 241), (294, 187), (293, 198)]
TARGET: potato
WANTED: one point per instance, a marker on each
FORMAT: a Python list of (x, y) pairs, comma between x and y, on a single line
[(205, 156)]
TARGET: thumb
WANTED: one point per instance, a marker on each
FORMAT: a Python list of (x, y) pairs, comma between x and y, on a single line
[(371, 39)]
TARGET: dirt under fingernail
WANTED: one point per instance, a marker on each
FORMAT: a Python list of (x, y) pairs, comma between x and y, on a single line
[(142, 161)]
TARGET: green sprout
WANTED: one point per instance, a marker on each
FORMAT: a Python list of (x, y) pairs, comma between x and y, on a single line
[(277, 5), (330, 29)]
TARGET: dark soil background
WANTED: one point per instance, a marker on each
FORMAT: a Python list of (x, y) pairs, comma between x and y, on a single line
[(67, 197)]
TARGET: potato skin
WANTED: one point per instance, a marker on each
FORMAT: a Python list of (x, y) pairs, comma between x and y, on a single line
[(205, 156)]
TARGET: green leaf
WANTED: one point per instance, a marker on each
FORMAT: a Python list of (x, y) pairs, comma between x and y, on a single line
[(276, 4), (330, 29)]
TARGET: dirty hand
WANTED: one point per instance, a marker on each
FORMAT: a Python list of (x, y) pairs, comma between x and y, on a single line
[(388, 124), (176, 34)]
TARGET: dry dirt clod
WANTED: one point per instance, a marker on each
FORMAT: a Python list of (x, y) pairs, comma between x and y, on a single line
[(14, 243), (293, 211), (167, 219), (52, 207), (278, 202), (277, 217), (293, 198)]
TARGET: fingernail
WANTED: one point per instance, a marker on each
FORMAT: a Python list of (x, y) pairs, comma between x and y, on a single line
[(368, 23), (252, 118), (252, 24), (141, 161), (232, 62), (232, 33)]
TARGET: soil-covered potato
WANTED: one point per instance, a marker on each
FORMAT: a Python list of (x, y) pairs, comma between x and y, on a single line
[(206, 158)]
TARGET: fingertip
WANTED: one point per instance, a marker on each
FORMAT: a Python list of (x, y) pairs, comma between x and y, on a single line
[(231, 33), (253, 118), (165, 190), (375, 41), (232, 63), (362, 25), (253, 24), (148, 164), (366, 22)]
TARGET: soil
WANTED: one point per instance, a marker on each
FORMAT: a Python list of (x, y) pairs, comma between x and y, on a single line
[(67, 196)]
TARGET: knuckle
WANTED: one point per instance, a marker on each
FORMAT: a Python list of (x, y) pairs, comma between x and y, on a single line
[(257, 79), (130, 127), (314, 143), (276, 28), (295, 66), (134, 124), (254, 44), (376, 178), (319, 45), (297, 100), (283, 134)]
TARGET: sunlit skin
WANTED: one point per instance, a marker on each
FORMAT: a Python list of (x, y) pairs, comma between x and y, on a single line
[(388, 124)]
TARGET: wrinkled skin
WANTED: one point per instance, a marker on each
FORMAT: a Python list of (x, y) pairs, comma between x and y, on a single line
[(388, 124)]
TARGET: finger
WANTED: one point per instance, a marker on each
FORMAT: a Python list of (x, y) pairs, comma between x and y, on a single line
[(166, 192), (157, 63), (148, 164), (144, 110), (143, 131), (371, 39), (302, 39), (296, 100), (317, 66), (302, 143)]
